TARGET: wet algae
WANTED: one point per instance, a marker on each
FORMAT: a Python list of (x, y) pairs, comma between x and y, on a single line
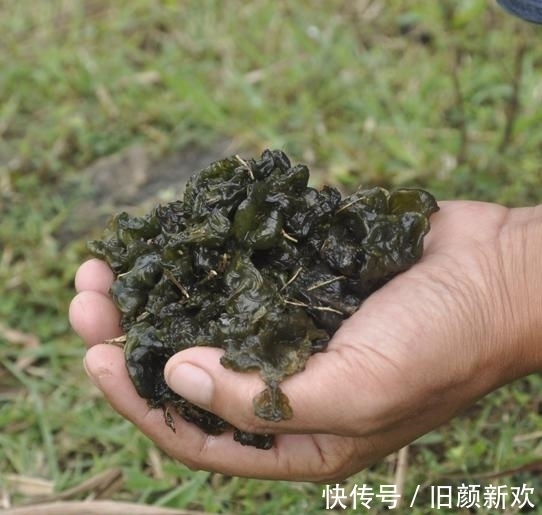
[(256, 262)]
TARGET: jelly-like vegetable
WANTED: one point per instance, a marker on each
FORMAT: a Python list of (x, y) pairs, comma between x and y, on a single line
[(255, 262)]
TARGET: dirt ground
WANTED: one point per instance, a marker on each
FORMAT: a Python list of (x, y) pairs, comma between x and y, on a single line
[(131, 180)]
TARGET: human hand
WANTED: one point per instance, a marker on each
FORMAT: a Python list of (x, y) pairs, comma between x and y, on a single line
[(417, 352)]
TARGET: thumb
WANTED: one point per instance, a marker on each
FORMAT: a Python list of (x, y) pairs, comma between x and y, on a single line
[(324, 397)]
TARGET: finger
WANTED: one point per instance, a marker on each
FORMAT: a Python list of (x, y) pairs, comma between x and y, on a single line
[(318, 458), (294, 457), (105, 364), (321, 396), (94, 275), (94, 317)]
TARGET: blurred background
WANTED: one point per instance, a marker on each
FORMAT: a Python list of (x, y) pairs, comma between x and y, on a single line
[(111, 105)]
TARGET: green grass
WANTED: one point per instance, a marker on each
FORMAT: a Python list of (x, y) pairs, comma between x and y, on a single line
[(443, 95)]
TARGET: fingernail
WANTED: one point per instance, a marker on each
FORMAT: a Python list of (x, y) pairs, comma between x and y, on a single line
[(192, 383)]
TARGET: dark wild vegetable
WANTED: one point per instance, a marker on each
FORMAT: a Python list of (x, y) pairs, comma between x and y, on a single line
[(255, 262)]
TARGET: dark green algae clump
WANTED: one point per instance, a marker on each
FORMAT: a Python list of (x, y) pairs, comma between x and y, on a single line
[(257, 263)]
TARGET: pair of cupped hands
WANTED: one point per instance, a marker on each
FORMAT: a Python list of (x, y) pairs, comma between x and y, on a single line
[(432, 341)]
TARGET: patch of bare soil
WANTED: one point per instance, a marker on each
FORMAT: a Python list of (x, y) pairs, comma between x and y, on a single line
[(131, 180)]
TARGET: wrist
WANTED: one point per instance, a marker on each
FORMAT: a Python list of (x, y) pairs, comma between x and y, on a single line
[(521, 255)]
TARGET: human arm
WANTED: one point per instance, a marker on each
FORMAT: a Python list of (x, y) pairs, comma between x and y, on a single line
[(457, 325)]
